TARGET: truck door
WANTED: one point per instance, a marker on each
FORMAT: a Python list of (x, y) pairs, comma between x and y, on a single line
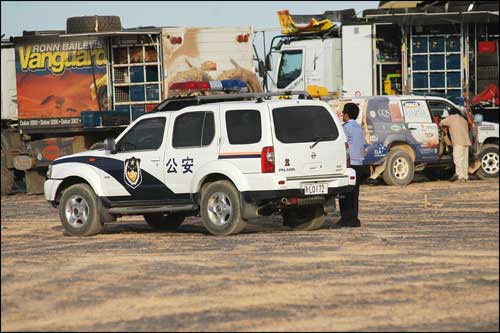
[(418, 120), (357, 60), (291, 70), (137, 163), (194, 142)]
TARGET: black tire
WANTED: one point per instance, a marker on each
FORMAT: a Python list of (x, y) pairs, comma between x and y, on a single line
[(489, 162), (304, 218), (164, 221), (79, 211), (7, 176), (80, 24), (399, 168), (439, 173), (220, 209)]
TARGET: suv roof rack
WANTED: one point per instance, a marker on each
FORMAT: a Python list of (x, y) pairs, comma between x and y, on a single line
[(173, 104)]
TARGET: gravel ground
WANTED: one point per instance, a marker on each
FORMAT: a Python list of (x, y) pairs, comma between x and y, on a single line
[(408, 268)]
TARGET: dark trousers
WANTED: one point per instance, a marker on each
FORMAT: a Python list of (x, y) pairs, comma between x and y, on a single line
[(349, 201)]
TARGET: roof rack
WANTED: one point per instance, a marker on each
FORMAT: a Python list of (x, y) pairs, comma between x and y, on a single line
[(173, 104)]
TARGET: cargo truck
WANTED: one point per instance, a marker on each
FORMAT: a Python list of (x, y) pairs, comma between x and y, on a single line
[(66, 91)]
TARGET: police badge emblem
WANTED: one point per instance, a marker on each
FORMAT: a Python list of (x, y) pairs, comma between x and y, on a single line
[(132, 172)]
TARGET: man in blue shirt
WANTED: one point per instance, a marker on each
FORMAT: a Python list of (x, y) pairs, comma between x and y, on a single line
[(356, 140)]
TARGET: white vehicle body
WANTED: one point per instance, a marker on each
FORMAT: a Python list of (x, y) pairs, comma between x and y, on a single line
[(176, 170), (332, 62)]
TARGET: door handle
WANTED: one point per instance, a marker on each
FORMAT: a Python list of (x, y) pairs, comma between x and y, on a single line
[(155, 160), (412, 128)]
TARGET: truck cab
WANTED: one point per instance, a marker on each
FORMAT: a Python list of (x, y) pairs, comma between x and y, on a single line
[(307, 61)]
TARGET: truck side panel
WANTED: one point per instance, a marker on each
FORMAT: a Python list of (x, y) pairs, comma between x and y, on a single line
[(207, 54)]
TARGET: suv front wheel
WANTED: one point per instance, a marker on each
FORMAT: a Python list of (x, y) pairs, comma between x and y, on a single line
[(220, 209), (79, 211), (304, 218)]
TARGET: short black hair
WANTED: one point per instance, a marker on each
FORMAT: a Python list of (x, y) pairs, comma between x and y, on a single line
[(352, 110)]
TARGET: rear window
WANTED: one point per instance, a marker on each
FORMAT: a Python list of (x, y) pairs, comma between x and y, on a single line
[(243, 126), (296, 124)]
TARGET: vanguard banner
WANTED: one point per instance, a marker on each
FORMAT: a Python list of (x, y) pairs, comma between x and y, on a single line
[(58, 78)]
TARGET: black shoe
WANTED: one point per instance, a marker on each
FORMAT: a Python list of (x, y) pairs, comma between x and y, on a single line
[(354, 224), (340, 223), (454, 178), (371, 181)]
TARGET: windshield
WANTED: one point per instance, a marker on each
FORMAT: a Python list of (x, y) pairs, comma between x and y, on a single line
[(296, 124), (290, 68)]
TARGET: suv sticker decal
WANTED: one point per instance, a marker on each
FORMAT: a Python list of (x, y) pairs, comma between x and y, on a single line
[(151, 187), (132, 172)]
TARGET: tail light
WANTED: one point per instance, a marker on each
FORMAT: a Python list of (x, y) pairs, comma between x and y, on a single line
[(267, 160), (347, 156)]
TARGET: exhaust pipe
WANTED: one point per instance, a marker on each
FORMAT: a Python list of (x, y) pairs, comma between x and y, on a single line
[(284, 201)]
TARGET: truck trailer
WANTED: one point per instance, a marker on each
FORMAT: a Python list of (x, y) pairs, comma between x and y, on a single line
[(66, 91)]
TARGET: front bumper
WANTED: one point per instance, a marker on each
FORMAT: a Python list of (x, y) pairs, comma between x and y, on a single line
[(50, 188)]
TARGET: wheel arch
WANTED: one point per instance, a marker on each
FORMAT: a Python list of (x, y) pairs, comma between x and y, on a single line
[(403, 146), (219, 170)]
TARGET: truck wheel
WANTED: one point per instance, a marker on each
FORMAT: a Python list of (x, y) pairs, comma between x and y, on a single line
[(79, 211), (304, 218), (7, 176), (220, 209), (489, 162), (164, 222), (79, 24), (399, 168)]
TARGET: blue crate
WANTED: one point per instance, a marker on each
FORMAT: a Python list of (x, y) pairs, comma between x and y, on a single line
[(420, 80), (437, 80), (419, 63), (436, 62), (453, 61), (453, 44), (436, 44), (419, 44), (453, 80), (115, 118), (90, 118), (137, 111)]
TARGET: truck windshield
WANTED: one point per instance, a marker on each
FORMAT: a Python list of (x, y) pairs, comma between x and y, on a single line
[(290, 68), (296, 124)]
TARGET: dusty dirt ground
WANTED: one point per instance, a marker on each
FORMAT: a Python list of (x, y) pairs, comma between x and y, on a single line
[(407, 268)]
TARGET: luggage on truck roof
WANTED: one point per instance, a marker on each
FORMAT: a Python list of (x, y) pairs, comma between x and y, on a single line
[(289, 27)]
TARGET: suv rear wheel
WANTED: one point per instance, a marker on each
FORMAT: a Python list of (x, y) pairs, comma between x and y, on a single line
[(304, 218), (220, 209), (164, 221), (489, 162), (79, 211), (399, 169)]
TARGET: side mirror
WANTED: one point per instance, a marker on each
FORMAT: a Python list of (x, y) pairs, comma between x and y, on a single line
[(269, 62), (478, 119), (262, 68), (110, 145)]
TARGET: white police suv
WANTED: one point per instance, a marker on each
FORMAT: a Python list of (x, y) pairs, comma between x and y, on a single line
[(226, 161)]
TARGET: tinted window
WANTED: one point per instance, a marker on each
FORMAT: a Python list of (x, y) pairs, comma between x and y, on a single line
[(193, 129), (437, 108), (290, 68), (145, 135), (243, 126), (303, 124)]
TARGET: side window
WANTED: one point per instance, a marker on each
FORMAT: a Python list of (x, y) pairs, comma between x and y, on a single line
[(193, 129), (290, 68), (439, 108), (416, 111), (243, 126), (145, 135)]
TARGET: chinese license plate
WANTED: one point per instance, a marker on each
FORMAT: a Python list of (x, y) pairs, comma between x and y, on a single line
[(315, 188)]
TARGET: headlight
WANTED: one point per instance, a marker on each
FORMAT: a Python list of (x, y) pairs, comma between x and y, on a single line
[(49, 172)]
